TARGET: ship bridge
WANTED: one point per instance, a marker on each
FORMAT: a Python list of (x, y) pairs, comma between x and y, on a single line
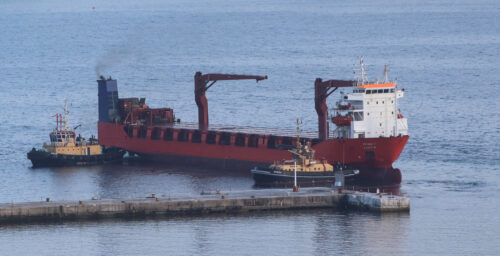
[(370, 110)]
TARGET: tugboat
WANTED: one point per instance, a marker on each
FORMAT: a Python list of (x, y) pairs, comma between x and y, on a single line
[(67, 149), (304, 169)]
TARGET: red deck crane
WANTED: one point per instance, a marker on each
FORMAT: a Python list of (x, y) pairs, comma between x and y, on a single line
[(201, 86), (321, 92)]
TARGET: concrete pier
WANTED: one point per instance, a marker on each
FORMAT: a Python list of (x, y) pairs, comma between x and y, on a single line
[(217, 202)]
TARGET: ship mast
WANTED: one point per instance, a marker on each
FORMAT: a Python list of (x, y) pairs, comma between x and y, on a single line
[(295, 187), (386, 70), (66, 112), (396, 110), (298, 133), (363, 76)]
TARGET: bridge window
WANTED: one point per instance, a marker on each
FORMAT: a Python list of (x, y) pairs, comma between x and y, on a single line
[(358, 116), (386, 90), (380, 91), (392, 90), (368, 91)]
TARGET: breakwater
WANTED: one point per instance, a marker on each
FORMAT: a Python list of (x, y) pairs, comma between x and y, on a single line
[(206, 203)]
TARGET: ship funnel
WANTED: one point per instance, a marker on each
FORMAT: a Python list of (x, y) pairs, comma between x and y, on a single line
[(108, 100)]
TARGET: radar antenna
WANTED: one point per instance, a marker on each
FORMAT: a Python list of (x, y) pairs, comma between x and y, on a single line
[(386, 70), (299, 121), (66, 112), (363, 76), (299, 151)]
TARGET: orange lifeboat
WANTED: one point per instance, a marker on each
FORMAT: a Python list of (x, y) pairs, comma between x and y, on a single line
[(342, 120)]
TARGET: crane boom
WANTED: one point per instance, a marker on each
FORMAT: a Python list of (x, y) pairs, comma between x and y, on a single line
[(201, 85)]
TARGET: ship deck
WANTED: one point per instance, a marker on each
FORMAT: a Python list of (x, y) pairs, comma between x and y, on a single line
[(242, 129)]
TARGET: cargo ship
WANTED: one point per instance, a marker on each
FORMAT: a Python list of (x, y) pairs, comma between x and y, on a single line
[(369, 135)]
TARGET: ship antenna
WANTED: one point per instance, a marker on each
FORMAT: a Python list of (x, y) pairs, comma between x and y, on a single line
[(396, 112), (299, 121), (66, 112), (363, 76), (386, 70), (295, 187)]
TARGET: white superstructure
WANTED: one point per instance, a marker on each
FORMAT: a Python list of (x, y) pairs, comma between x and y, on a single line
[(370, 110)]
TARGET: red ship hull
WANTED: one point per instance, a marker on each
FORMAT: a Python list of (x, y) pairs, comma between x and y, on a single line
[(372, 156)]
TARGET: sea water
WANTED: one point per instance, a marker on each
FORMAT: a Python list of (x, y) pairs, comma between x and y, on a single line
[(445, 54)]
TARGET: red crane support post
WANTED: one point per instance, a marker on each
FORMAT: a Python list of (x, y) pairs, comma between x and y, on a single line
[(201, 85), (321, 91)]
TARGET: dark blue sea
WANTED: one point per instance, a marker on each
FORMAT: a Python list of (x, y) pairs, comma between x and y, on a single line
[(445, 54)]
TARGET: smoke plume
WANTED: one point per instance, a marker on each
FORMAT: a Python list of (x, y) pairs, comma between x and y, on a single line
[(131, 48), (111, 59)]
